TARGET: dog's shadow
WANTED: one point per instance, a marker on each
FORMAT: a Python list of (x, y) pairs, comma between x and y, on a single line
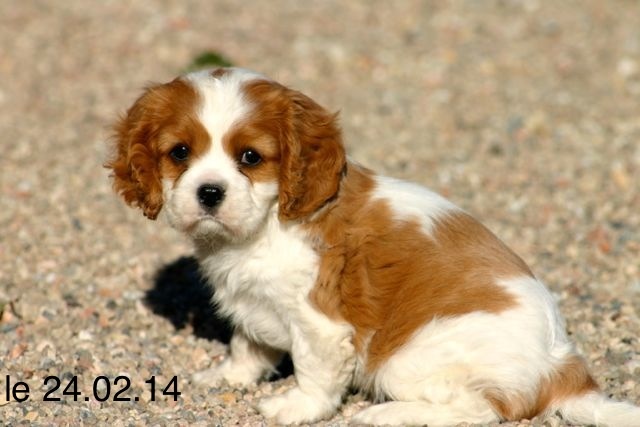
[(181, 295)]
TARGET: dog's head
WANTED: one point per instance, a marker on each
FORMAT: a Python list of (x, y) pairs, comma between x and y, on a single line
[(218, 150)]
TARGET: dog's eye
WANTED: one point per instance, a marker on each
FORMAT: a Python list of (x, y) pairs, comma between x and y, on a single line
[(179, 153), (250, 158)]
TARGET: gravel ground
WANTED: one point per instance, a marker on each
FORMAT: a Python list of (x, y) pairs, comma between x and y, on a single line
[(525, 113)]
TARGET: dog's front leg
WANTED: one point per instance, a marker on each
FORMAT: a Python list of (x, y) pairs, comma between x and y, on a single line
[(246, 363), (324, 361)]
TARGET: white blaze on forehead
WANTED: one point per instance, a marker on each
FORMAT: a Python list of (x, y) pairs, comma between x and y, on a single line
[(222, 99), (222, 105)]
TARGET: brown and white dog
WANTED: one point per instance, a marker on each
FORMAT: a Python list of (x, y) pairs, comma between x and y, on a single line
[(365, 280)]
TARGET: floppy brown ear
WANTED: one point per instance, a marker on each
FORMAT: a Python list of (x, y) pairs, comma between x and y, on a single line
[(312, 159), (136, 176)]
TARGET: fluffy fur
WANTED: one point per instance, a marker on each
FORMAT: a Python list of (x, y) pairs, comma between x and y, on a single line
[(366, 281)]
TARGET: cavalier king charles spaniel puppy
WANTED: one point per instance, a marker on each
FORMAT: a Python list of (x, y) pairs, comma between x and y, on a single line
[(366, 281)]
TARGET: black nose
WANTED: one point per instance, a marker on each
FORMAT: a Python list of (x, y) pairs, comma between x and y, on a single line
[(210, 195)]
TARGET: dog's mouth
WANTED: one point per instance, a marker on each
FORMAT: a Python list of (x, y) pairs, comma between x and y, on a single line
[(203, 219), (209, 225)]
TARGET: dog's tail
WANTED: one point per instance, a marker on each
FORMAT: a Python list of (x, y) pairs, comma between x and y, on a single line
[(572, 391), (596, 408)]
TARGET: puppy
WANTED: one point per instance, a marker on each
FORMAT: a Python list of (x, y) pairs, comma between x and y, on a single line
[(367, 281)]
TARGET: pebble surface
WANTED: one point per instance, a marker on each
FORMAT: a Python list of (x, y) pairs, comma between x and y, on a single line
[(525, 113)]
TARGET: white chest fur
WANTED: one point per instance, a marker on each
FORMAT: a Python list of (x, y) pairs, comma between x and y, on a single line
[(263, 284)]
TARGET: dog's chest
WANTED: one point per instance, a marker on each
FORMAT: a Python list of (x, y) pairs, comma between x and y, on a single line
[(263, 286)]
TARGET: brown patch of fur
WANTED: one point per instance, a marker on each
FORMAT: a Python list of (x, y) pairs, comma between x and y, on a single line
[(568, 380), (220, 72), (310, 157), (262, 130), (160, 119), (388, 278)]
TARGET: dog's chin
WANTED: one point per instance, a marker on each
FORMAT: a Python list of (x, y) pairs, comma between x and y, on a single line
[(215, 230), (209, 228), (211, 233)]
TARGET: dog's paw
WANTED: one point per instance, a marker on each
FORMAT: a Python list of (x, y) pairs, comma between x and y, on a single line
[(372, 415), (295, 406), (209, 377), (226, 372)]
